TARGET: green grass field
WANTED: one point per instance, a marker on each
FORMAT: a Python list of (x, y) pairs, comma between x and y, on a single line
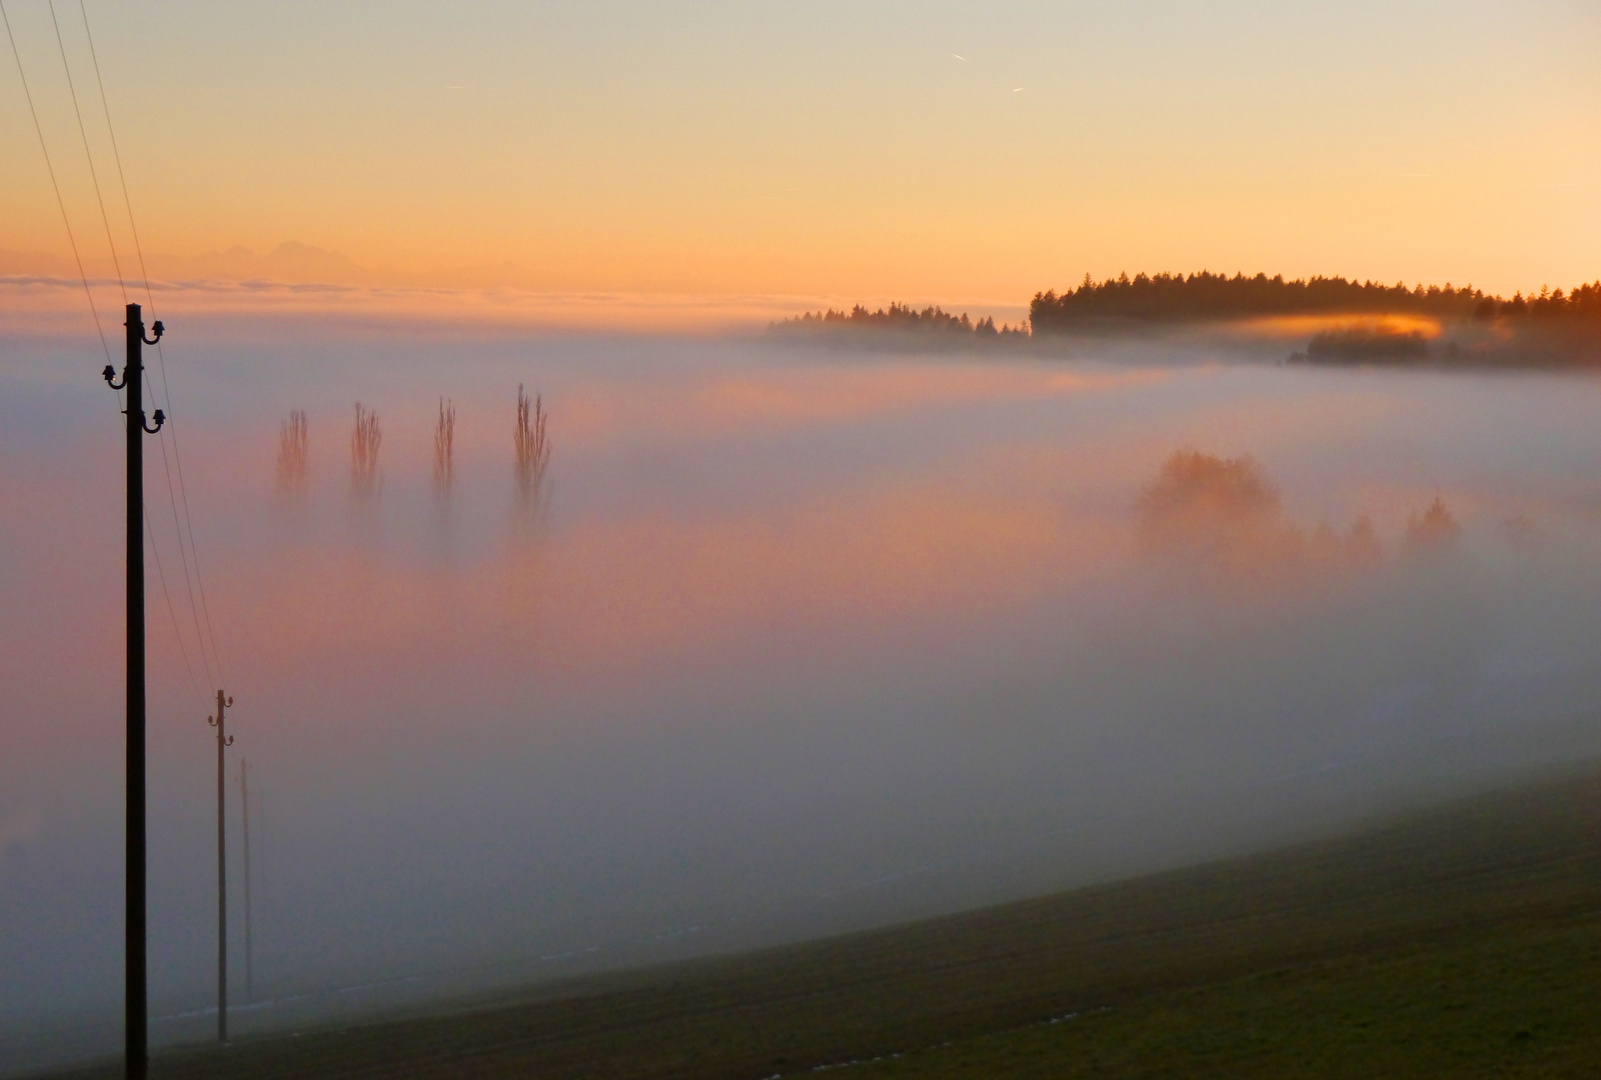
[(1517, 1001), (1461, 942)]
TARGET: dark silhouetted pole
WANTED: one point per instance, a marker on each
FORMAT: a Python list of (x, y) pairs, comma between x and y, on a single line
[(136, 1046), (223, 740), (244, 801)]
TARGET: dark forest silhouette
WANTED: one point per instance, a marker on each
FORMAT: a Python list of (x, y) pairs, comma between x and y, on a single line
[(1203, 297), (1549, 328), (1206, 296), (1583, 303), (1365, 344), (897, 318)]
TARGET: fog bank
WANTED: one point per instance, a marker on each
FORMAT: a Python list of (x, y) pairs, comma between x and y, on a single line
[(775, 643)]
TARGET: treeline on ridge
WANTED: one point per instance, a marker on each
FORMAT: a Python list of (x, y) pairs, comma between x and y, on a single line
[(1584, 302), (1206, 296), (1548, 327), (897, 317)]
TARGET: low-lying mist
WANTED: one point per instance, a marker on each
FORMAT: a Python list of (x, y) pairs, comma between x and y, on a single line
[(567, 653)]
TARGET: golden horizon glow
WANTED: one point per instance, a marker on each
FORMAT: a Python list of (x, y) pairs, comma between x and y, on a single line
[(817, 151)]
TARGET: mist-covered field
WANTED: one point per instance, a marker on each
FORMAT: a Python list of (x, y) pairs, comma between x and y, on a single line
[(771, 643)]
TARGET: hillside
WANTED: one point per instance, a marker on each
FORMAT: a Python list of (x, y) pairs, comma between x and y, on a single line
[(1460, 941)]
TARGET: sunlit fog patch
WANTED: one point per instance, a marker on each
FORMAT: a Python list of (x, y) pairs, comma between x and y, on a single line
[(1301, 327), (804, 393)]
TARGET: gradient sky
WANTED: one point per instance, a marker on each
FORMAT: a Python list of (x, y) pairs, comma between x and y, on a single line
[(831, 148)]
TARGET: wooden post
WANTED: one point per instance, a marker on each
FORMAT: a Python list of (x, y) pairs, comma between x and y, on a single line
[(244, 801), (136, 1004), (136, 1009), (219, 722)]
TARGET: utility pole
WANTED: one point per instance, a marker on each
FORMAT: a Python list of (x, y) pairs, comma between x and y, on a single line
[(223, 741), (136, 1015), (244, 801)]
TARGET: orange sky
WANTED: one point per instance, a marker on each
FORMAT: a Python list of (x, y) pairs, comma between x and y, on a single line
[(967, 153)]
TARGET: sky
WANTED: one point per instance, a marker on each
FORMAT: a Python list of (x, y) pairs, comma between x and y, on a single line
[(974, 153)]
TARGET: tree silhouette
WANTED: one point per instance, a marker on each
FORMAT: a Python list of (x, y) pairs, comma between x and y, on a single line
[(932, 321), (364, 443), (1206, 296)]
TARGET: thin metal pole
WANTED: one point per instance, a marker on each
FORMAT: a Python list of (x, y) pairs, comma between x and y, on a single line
[(244, 800), (136, 1005), (222, 880)]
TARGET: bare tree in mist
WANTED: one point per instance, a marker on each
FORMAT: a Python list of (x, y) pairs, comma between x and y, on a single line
[(1432, 532), (533, 447), (294, 454), (1220, 517), (445, 448), (364, 442)]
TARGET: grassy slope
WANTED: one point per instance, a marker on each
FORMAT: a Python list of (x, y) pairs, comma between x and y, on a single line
[(1461, 942), (1518, 1000)]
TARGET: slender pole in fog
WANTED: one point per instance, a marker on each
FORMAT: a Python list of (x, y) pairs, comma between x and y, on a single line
[(223, 739), (136, 1015), (244, 800)]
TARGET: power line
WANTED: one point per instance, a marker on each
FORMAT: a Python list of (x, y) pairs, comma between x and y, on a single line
[(182, 495), (171, 611), (116, 155), (53, 183), (204, 607), (84, 134), (82, 276), (194, 554), (178, 532), (117, 262)]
